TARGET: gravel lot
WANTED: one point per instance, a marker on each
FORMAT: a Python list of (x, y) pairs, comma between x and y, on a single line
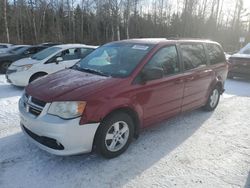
[(195, 149)]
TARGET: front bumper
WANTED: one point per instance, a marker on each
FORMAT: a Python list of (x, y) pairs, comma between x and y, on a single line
[(239, 74), (17, 78), (55, 135)]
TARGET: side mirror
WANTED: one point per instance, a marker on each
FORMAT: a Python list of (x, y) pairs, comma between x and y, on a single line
[(152, 74), (26, 53), (59, 59)]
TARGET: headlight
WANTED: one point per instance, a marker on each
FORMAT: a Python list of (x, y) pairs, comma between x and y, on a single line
[(67, 110), (24, 67)]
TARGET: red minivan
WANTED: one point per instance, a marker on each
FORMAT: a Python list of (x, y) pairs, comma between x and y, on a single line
[(106, 98)]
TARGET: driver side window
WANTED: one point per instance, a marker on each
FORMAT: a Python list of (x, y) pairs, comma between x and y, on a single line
[(165, 59), (69, 54), (66, 55)]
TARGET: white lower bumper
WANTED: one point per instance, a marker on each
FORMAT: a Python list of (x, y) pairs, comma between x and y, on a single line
[(73, 137), (19, 78)]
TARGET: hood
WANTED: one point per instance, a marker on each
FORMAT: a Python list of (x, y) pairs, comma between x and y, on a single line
[(25, 61), (69, 85)]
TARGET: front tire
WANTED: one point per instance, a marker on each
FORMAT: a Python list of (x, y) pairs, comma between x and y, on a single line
[(213, 99), (114, 135)]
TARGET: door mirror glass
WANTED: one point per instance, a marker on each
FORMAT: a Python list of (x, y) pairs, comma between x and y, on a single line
[(153, 73), (59, 59)]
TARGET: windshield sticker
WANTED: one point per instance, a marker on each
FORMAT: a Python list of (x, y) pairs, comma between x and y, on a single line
[(140, 47)]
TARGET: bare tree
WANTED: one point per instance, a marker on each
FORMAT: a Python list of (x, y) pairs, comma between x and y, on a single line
[(6, 22), (127, 16), (100, 21)]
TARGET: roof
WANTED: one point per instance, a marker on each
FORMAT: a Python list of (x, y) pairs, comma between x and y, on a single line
[(66, 46), (156, 41), (143, 40), (7, 44)]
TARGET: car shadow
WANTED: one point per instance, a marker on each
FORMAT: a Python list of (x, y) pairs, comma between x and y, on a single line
[(26, 165), (8, 90), (238, 87)]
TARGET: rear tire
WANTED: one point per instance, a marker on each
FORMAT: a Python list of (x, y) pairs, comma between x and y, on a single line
[(213, 99), (114, 135), (36, 76), (4, 66)]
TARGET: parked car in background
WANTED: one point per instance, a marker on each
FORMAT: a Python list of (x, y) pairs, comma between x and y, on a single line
[(48, 61), (121, 87), (5, 46), (12, 49), (7, 58), (50, 44), (240, 63)]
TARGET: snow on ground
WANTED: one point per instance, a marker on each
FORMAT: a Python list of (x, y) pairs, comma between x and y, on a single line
[(195, 149)]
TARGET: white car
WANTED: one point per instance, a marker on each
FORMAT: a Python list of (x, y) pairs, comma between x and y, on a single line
[(50, 60)]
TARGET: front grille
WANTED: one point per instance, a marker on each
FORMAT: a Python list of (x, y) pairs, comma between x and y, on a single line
[(46, 141), (38, 102), (33, 105), (34, 111)]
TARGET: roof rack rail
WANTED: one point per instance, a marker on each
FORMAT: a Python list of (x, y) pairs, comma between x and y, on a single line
[(179, 38)]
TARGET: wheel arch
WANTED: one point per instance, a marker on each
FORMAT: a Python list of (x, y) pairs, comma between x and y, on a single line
[(220, 85), (42, 73), (132, 113)]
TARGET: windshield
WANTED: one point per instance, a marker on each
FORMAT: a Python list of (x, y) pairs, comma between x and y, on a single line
[(21, 50), (245, 50), (15, 49), (116, 60), (45, 53), (3, 46)]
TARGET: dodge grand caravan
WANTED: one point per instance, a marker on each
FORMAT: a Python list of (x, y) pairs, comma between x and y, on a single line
[(106, 98)]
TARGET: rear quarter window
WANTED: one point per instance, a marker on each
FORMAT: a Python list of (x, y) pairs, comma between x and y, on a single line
[(193, 55), (215, 53)]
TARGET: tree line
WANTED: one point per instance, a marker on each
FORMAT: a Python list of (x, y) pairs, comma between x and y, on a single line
[(101, 21)]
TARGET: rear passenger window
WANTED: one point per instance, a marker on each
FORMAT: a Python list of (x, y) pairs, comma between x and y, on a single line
[(216, 55), (69, 54), (166, 59), (193, 56)]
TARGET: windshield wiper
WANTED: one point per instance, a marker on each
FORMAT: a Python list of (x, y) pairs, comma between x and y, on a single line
[(90, 71)]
